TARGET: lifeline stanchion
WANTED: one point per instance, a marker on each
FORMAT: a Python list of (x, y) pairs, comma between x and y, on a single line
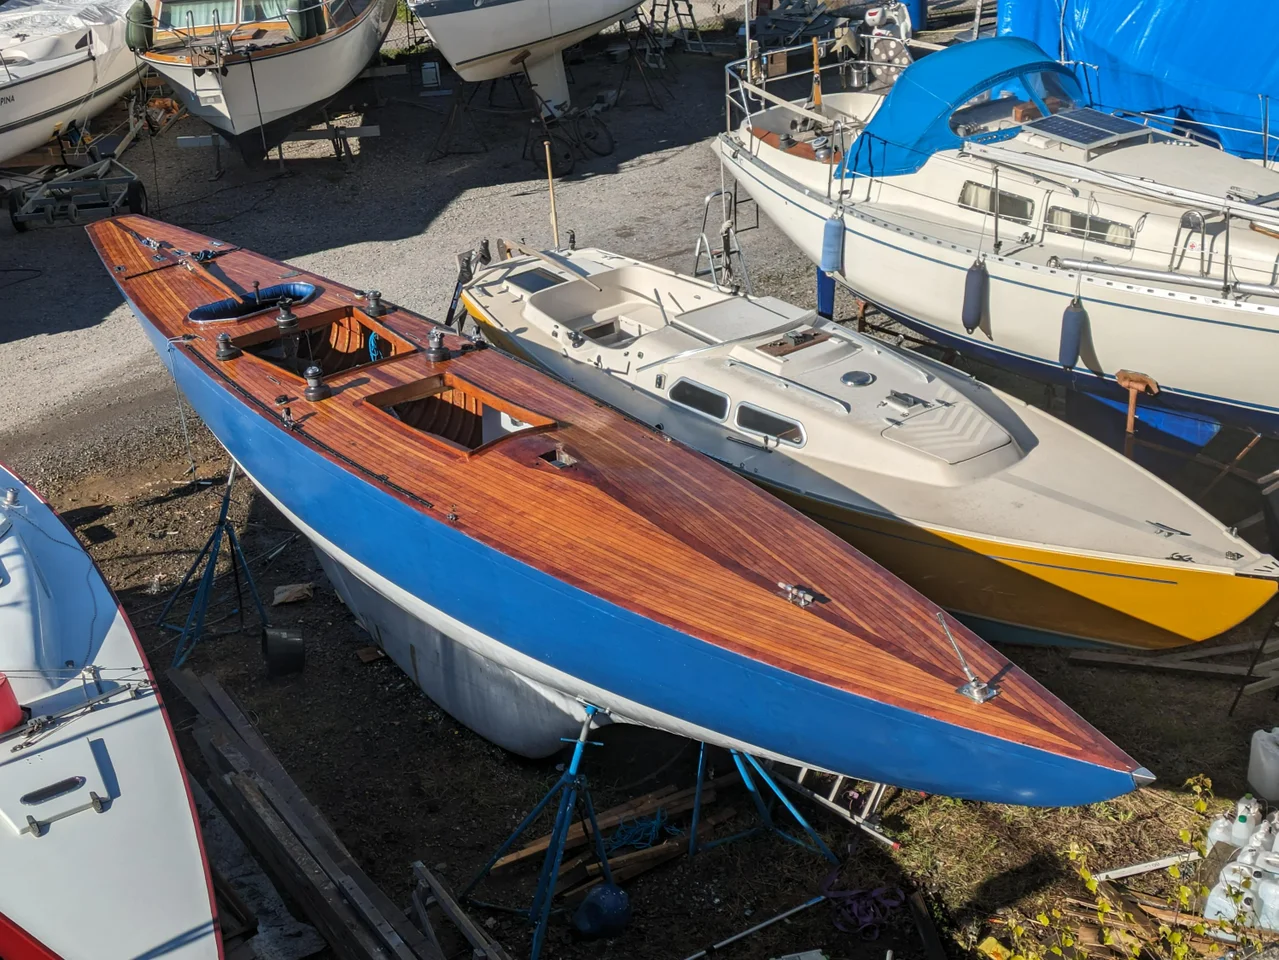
[(571, 786), (745, 763), (191, 630)]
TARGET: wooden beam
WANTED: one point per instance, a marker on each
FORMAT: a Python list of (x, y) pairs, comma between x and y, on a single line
[(1169, 665), (476, 937)]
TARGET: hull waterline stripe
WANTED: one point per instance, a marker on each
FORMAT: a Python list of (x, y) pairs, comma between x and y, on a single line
[(130, 77)]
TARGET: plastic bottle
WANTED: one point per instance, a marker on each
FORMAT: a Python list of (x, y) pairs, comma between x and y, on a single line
[(1221, 831), (1263, 764), (1220, 904), (1268, 911), (1263, 837), (1247, 815)]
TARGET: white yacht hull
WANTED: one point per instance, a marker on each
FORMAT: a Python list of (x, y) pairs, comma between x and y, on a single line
[(125, 878), (264, 92), (1207, 353), (36, 106), (482, 40)]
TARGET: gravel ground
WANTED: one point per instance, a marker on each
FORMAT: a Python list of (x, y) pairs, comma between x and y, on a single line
[(89, 414)]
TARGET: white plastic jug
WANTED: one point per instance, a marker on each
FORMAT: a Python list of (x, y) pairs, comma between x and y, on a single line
[(1268, 862), (1263, 837), (1263, 765), (1220, 904), (1268, 912), (1221, 830), (1247, 816)]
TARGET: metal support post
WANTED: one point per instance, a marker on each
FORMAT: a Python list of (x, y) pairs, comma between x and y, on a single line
[(746, 764), (192, 629), (571, 787)]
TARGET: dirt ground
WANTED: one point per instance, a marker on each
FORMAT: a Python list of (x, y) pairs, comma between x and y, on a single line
[(399, 779)]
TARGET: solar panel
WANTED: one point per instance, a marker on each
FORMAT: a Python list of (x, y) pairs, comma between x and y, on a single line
[(1106, 121), (1062, 127)]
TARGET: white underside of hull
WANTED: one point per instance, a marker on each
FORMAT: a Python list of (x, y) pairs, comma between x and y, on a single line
[(277, 85), (45, 104), (514, 700), (481, 43), (128, 881), (1196, 344)]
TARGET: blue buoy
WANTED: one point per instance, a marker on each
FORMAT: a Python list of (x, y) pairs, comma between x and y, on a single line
[(604, 913), (833, 244), (975, 286), (825, 294), (1074, 321)]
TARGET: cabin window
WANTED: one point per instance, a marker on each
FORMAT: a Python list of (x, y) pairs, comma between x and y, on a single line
[(203, 13), (257, 11), (1072, 223), (708, 402), (765, 424), (976, 196)]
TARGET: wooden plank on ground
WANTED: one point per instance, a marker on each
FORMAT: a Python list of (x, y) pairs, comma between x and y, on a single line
[(671, 803), (1170, 666), (238, 746), (311, 886), (476, 937), (626, 866)]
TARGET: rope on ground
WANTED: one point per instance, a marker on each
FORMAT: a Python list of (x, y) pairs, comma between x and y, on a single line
[(640, 833), (32, 273), (861, 911)]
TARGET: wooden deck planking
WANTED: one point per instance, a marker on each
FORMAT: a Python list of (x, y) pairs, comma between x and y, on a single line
[(640, 520)]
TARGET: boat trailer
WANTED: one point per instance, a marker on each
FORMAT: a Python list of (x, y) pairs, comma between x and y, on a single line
[(103, 184)]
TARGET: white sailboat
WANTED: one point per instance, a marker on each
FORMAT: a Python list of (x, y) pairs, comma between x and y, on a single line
[(253, 69), (59, 62), (102, 853), (1169, 247), (486, 39), (995, 509)]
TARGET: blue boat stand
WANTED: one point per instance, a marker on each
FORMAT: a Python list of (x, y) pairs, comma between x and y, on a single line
[(745, 764), (192, 629), (570, 787)]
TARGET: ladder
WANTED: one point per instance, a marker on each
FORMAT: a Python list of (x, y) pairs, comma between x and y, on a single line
[(726, 264), (690, 34)]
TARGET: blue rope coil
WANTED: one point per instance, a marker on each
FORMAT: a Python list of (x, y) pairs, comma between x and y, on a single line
[(373, 348), (640, 832)]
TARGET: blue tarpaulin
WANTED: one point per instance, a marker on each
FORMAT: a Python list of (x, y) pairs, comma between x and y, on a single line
[(1187, 61)]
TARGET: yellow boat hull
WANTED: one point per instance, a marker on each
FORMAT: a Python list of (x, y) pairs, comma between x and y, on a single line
[(1019, 592), (1041, 594)]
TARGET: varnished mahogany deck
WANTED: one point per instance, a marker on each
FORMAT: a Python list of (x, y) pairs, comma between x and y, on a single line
[(638, 520)]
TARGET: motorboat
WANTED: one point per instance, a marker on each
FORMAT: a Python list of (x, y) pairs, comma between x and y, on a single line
[(487, 39), (1024, 527), (256, 69), (1121, 254), (526, 554), (61, 63), (98, 832)]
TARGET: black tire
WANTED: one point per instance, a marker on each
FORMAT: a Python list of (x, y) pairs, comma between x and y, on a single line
[(135, 197), (594, 135), (15, 201)]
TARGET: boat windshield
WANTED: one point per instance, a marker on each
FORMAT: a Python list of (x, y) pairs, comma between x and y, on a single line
[(174, 14), (1008, 104), (208, 13)]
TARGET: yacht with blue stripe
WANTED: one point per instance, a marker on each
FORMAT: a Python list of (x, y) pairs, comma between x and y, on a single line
[(975, 194)]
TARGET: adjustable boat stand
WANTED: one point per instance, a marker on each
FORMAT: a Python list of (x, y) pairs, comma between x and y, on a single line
[(745, 763), (192, 629), (572, 789)]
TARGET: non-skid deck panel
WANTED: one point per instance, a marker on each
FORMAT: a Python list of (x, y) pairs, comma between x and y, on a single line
[(639, 520)]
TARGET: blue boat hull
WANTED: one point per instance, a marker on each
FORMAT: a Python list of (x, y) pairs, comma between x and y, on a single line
[(576, 644)]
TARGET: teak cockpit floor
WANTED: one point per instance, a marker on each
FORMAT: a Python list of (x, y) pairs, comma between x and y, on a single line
[(593, 498)]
